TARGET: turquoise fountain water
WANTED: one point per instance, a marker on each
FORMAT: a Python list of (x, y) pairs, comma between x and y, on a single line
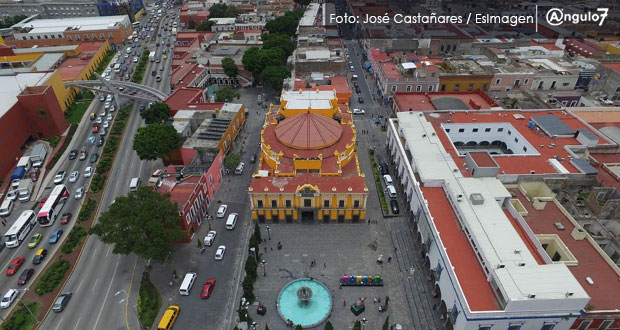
[(305, 302)]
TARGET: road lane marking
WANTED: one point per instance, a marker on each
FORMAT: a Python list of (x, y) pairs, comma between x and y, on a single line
[(59, 323), (79, 285), (107, 253), (77, 323), (107, 292), (94, 285)]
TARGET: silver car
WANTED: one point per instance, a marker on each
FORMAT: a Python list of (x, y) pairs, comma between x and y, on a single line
[(79, 193), (74, 176)]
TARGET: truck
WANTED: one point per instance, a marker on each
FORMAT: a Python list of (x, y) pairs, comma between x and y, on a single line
[(152, 56), (24, 189), (18, 173), (37, 155), (25, 163)]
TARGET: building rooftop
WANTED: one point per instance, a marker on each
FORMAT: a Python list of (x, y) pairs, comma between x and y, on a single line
[(73, 23), (592, 262), (209, 133), (71, 67), (310, 15), (179, 191), (477, 100), (308, 99), (13, 85)]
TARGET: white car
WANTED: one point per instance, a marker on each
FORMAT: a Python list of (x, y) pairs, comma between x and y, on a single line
[(109, 117), (11, 195), (108, 98), (9, 298), (88, 172), (102, 113), (74, 176), (60, 177), (219, 254), (107, 105), (358, 111), (79, 192), (210, 238), (106, 124), (99, 120), (135, 60), (112, 108), (221, 211)]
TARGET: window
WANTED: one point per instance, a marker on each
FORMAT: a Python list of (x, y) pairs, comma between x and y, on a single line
[(52, 36), (430, 88), (553, 83), (326, 203), (356, 203), (524, 149), (509, 132), (474, 130), (514, 326), (85, 36), (517, 140), (307, 202), (274, 203), (110, 35), (38, 37), (288, 203), (526, 81), (605, 325), (188, 219), (565, 84), (501, 129), (408, 88), (94, 36), (418, 88), (447, 130), (210, 179), (470, 87), (341, 203), (548, 326), (517, 82), (259, 203), (488, 129), (457, 87), (443, 88), (484, 327), (498, 81), (461, 130), (77, 37), (584, 325), (69, 38), (393, 88), (102, 36)]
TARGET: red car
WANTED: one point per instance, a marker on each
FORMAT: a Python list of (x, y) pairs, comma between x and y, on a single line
[(25, 276), (65, 218), (34, 175), (42, 202), (95, 128), (207, 288), (14, 266)]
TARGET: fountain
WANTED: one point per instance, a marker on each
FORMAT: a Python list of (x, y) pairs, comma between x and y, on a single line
[(304, 302)]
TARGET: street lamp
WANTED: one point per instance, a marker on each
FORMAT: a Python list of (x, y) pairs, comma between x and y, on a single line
[(127, 299), (26, 306), (364, 320), (268, 232), (264, 263), (254, 251)]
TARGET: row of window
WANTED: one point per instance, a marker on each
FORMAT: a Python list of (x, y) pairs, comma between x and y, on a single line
[(457, 87), (307, 203), (549, 326), (486, 130), (70, 38), (517, 82)]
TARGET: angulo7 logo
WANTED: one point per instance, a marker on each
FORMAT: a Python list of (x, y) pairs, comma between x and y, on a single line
[(557, 16)]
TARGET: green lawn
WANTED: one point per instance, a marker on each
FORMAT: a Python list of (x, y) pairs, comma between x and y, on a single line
[(76, 112)]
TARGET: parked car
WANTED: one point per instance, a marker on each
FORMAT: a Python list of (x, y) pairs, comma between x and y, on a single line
[(55, 236), (34, 174), (25, 276), (360, 99), (207, 288), (394, 206), (61, 302), (73, 154), (359, 111), (219, 254), (34, 240), (14, 266), (221, 211), (253, 158), (39, 256), (65, 218), (95, 128), (60, 177), (11, 195), (9, 298), (210, 238)]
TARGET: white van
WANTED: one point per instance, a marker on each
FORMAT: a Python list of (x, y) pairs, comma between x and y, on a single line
[(186, 286), (388, 180), (6, 208), (239, 169), (134, 184), (231, 221), (391, 191)]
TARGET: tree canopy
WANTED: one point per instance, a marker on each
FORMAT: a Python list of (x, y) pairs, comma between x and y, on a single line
[(143, 222), (278, 40), (155, 141), (232, 160), (303, 2), (284, 24), (328, 326), (226, 94), (229, 66), (157, 113), (223, 10), (205, 26), (9, 21), (192, 24), (275, 75)]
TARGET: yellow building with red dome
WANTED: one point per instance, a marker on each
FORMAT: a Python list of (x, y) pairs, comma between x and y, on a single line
[(308, 167)]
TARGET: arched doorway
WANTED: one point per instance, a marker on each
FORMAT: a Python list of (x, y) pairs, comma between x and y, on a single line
[(471, 143), (443, 310), (483, 143), (458, 144), (437, 291)]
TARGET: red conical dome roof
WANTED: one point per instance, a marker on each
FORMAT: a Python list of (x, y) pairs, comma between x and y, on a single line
[(308, 131)]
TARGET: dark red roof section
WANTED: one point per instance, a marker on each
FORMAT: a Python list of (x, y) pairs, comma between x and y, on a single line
[(308, 131), (483, 159)]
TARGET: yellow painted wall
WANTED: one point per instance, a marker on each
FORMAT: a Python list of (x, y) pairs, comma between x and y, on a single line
[(30, 57), (450, 81), (2, 41), (231, 134), (611, 49), (63, 94), (139, 14)]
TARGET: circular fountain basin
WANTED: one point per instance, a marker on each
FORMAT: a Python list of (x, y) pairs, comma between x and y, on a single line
[(309, 313)]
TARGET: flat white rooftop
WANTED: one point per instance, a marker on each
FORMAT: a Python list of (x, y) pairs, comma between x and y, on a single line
[(310, 14), (308, 99), (13, 85), (83, 23)]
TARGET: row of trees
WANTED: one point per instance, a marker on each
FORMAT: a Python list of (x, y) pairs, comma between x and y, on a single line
[(10, 21)]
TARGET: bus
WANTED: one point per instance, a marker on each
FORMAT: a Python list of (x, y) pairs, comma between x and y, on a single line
[(53, 205), (20, 229), (135, 25)]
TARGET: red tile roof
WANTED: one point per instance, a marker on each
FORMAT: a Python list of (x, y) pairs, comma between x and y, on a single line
[(604, 291), (308, 131), (471, 277), (179, 192), (483, 159), (420, 101)]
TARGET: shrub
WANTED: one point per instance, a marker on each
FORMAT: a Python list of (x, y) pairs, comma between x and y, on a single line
[(97, 183), (52, 277), (75, 238), (53, 140), (386, 324), (64, 146), (110, 145), (21, 318), (87, 209), (104, 165), (149, 301), (248, 289)]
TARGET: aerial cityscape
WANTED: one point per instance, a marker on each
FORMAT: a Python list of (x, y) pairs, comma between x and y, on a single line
[(310, 164)]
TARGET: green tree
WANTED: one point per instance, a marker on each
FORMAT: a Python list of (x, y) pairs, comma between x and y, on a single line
[(278, 40), (251, 60), (9, 21), (266, 327), (157, 113), (143, 222), (226, 94), (303, 2), (386, 324), (295, 14), (231, 161), (272, 56), (357, 325), (229, 66), (299, 327), (284, 24), (275, 75), (205, 26), (192, 24), (328, 326), (222, 10), (155, 141)]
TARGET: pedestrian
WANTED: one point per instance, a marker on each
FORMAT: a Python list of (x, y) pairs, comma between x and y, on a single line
[(344, 303), (324, 265), (395, 249), (389, 259)]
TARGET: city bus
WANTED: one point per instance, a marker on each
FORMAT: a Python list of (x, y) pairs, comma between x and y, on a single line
[(20, 229), (53, 205), (135, 25)]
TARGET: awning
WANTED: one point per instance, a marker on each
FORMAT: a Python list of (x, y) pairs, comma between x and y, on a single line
[(367, 64)]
